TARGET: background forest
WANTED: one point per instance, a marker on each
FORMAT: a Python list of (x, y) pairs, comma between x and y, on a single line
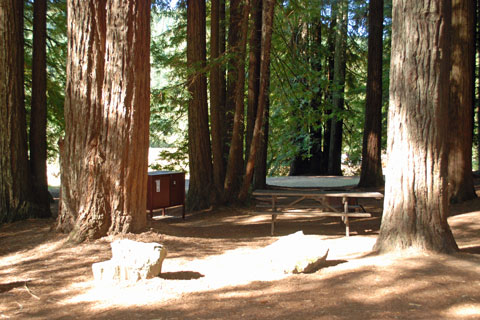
[(302, 55)]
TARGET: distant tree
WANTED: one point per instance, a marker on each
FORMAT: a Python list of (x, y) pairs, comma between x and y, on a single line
[(201, 192), (416, 194), (460, 178), (38, 113), (371, 173), (104, 155), (338, 99), (16, 196)]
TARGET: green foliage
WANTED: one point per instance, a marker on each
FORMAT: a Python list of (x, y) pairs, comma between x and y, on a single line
[(297, 81), (169, 94)]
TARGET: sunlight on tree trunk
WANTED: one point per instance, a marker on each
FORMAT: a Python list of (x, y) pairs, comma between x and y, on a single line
[(416, 196), (104, 154)]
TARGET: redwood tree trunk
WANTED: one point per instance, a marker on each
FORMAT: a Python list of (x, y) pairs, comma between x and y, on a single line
[(200, 193), (104, 155), (15, 192), (253, 70), (233, 45), (338, 100), (460, 178), (235, 163), (416, 195), (38, 115), (371, 173), (217, 106), (268, 15)]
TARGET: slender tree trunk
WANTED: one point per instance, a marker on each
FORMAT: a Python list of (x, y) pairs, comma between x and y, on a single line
[(200, 193), (104, 155), (460, 178), (416, 195), (330, 62), (253, 70), (477, 26), (268, 15), (235, 157), (38, 116), (260, 172), (336, 135), (217, 109), (317, 131), (15, 192), (371, 173), (234, 35)]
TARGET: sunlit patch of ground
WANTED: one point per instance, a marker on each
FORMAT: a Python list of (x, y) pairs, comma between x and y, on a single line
[(216, 270)]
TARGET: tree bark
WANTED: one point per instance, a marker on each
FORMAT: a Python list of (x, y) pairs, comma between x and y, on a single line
[(315, 167), (260, 172), (15, 192), (217, 109), (234, 35), (235, 163), (200, 193), (267, 27), (371, 171), (253, 71), (338, 100), (38, 115), (416, 195), (105, 152), (460, 178)]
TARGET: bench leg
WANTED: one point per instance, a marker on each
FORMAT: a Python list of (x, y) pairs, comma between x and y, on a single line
[(347, 223), (347, 227)]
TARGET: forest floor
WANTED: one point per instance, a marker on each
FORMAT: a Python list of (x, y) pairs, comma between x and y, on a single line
[(212, 271)]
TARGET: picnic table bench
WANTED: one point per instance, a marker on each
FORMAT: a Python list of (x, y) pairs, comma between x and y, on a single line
[(311, 203)]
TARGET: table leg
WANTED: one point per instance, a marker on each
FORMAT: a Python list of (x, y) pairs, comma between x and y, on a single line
[(274, 217), (345, 210)]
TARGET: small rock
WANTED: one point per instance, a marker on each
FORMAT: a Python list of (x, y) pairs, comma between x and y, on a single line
[(131, 261), (297, 253)]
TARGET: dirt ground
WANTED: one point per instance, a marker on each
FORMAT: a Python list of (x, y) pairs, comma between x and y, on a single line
[(212, 271)]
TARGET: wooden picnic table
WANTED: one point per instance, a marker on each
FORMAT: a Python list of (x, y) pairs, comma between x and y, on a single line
[(312, 203)]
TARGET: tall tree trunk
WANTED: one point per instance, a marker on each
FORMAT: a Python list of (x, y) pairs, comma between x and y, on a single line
[(200, 193), (253, 71), (371, 173), (260, 172), (38, 116), (217, 109), (416, 195), (336, 135), (15, 192), (317, 130), (268, 15), (330, 62), (235, 156), (477, 26), (234, 35), (104, 155), (460, 178)]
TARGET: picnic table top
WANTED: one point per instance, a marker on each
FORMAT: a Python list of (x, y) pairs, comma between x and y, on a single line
[(321, 193)]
